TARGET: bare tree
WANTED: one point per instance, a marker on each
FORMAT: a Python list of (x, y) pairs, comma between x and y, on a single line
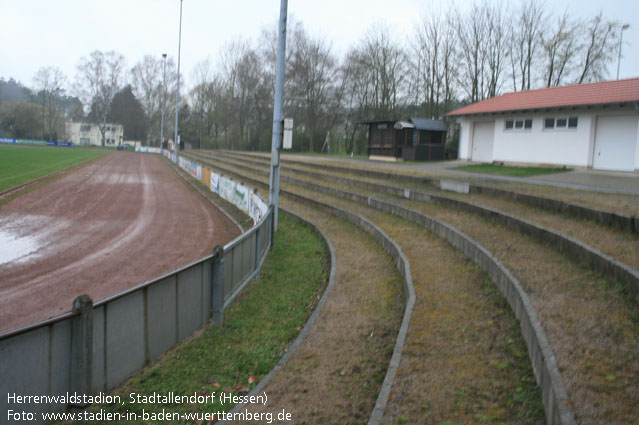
[(525, 42), (598, 49), (98, 79), (560, 46), (230, 57), (384, 67), (313, 94), (48, 85), (472, 35), (203, 103), (495, 18), (432, 63), (357, 104)]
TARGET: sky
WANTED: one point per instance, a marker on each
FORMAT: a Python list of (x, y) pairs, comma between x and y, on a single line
[(37, 33)]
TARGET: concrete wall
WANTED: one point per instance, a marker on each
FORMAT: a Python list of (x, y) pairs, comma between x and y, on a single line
[(572, 147), (541, 146)]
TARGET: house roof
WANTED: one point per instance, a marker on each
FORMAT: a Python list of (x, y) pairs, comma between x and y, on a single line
[(602, 93), (417, 123), (430, 125)]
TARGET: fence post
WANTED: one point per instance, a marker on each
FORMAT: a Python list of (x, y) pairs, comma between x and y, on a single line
[(82, 346), (258, 246), (217, 286), (272, 241)]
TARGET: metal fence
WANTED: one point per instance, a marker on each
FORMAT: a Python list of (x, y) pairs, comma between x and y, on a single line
[(96, 346)]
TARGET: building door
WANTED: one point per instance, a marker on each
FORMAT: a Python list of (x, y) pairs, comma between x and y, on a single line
[(615, 143), (483, 136)]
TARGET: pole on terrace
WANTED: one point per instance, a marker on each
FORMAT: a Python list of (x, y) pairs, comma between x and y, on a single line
[(177, 93), (274, 186)]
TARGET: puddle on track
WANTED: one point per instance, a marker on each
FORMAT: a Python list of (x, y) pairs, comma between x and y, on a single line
[(15, 248)]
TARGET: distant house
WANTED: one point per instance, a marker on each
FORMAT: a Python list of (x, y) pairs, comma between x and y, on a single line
[(587, 125), (86, 134), (417, 139)]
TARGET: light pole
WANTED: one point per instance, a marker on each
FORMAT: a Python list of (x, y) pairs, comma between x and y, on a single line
[(163, 106), (623, 28), (274, 186), (177, 93)]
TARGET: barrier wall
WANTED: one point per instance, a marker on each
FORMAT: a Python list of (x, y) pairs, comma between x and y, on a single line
[(234, 192), (147, 149), (96, 346), (36, 142)]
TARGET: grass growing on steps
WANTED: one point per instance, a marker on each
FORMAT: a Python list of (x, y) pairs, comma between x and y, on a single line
[(258, 329)]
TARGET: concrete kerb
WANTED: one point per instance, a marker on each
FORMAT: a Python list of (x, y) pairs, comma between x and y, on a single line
[(409, 293), (403, 267), (309, 323), (606, 218), (604, 264), (599, 261), (555, 399)]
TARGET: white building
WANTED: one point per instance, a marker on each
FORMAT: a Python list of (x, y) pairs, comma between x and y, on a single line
[(586, 125), (85, 134)]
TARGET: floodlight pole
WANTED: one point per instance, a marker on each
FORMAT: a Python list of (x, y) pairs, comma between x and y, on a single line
[(177, 93), (623, 28), (274, 186), (163, 106)]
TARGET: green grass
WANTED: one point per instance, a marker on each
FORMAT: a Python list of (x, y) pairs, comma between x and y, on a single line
[(505, 170), (21, 164), (257, 330)]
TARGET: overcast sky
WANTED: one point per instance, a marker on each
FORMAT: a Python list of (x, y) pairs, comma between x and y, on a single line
[(58, 33)]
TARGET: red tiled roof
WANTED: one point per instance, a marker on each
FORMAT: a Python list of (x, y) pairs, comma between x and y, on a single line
[(618, 91)]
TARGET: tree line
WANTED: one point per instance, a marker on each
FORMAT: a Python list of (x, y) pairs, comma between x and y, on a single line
[(451, 58)]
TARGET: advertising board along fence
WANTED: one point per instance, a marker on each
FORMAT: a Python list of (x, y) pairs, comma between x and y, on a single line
[(36, 142), (147, 149), (71, 360)]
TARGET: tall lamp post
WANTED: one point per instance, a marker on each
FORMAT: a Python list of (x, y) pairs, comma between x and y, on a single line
[(163, 106), (623, 28), (177, 93), (274, 186)]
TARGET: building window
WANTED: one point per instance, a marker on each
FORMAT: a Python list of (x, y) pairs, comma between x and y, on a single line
[(560, 123), (85, 128), (519, 125), (572, 122)]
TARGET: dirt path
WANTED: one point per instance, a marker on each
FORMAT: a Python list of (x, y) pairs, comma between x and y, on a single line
[(120, 221), (335, 375)]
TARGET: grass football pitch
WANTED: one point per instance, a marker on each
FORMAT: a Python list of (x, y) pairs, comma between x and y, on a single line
[(21, 164)]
